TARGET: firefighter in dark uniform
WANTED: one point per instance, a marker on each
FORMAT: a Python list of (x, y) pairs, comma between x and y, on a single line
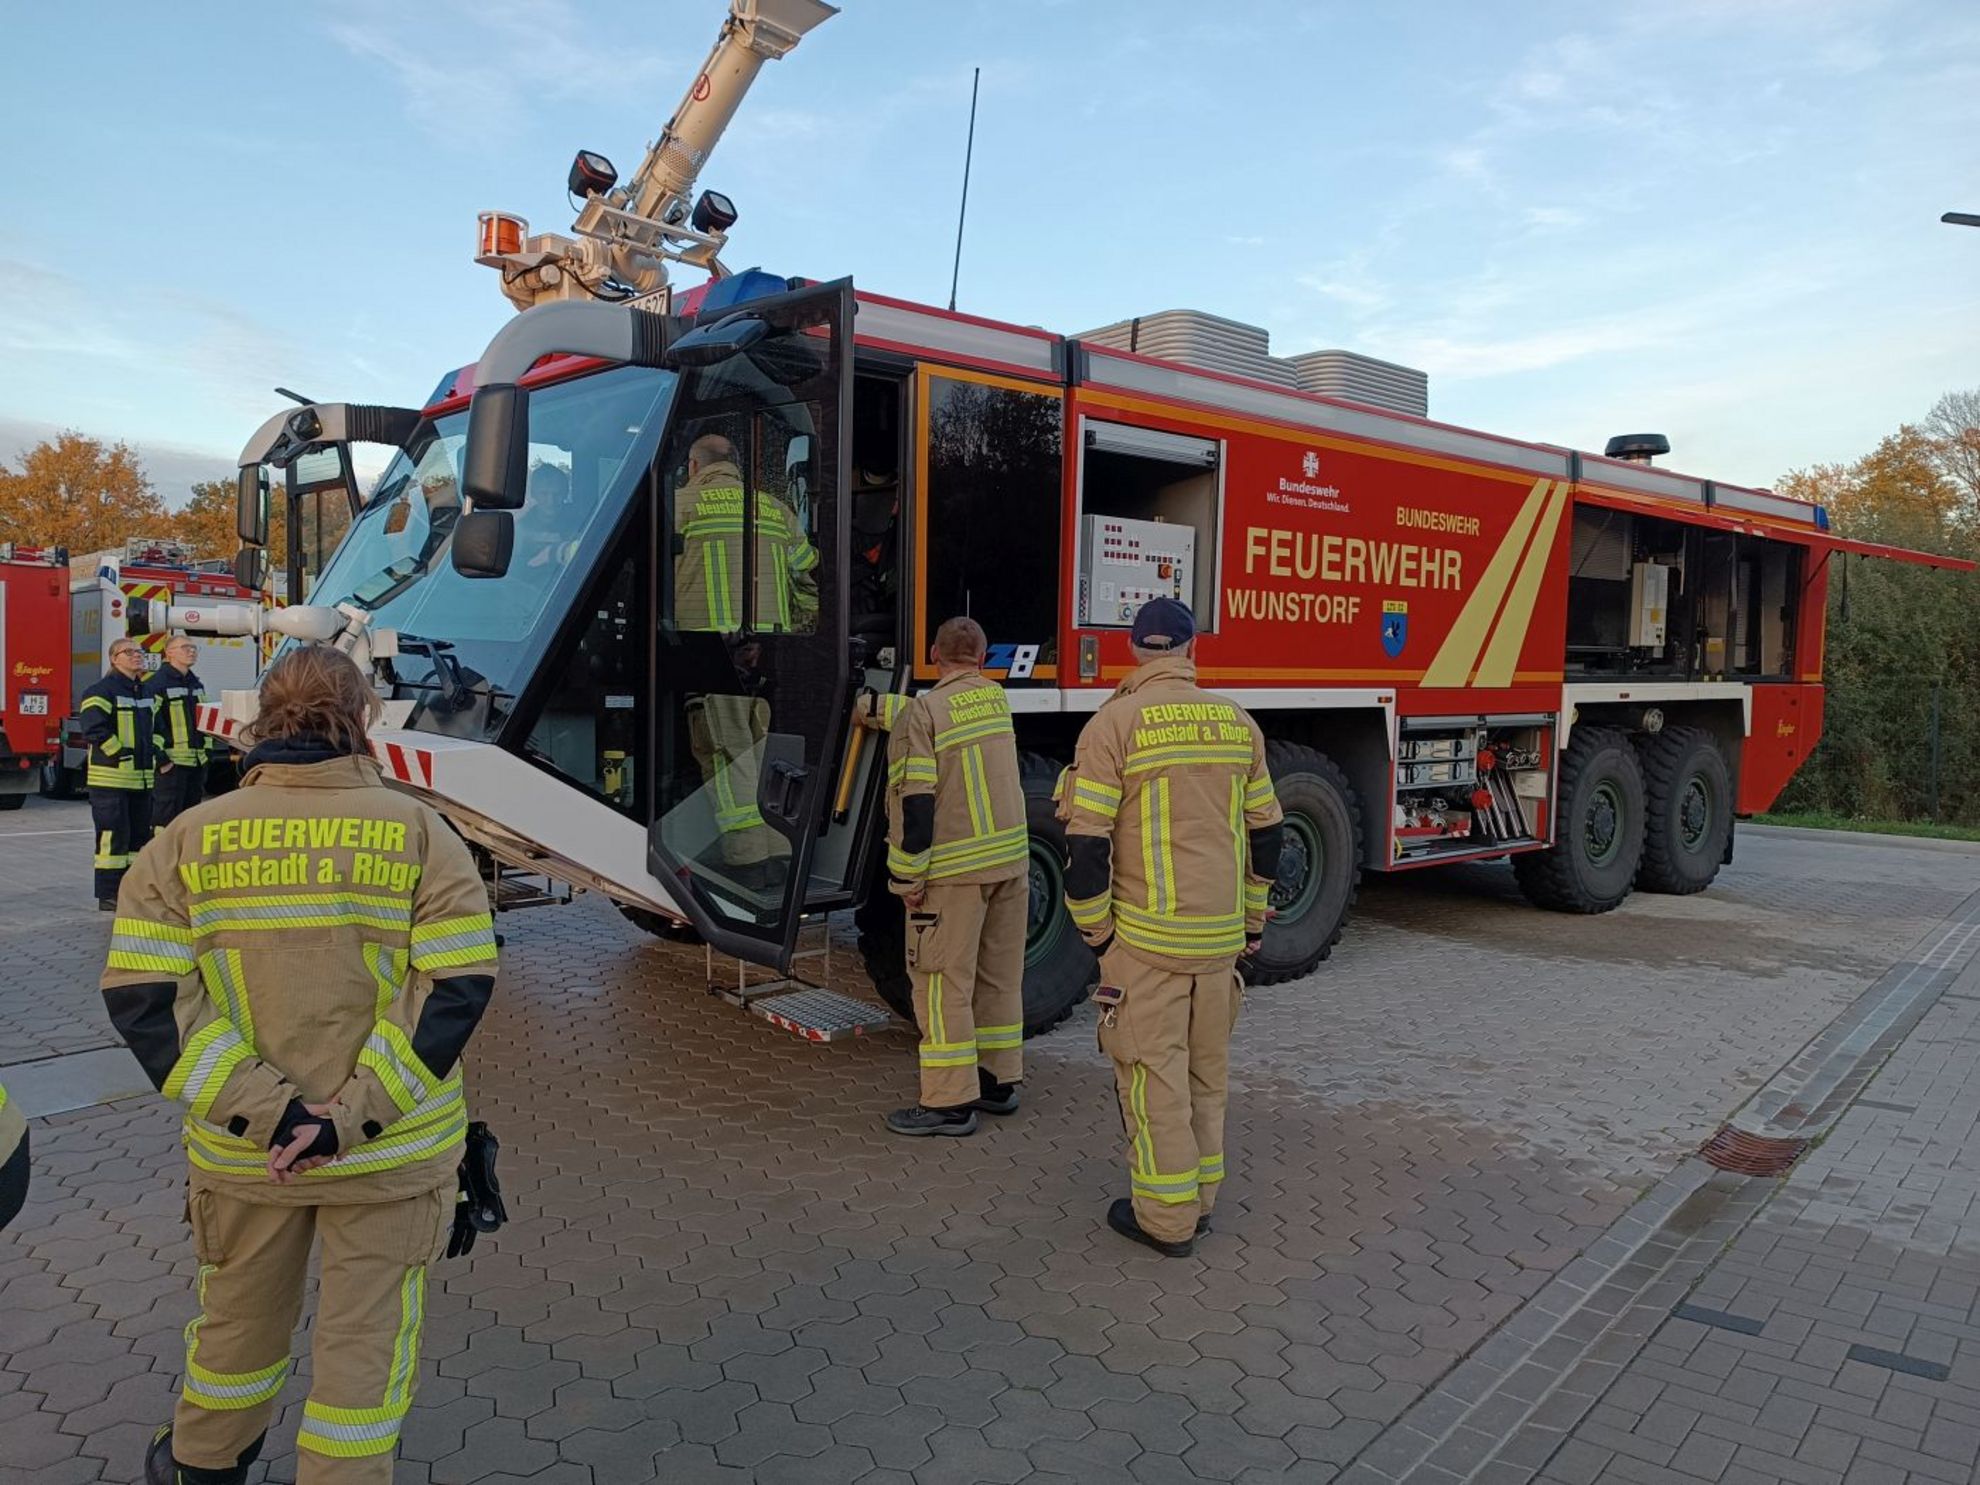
[(176, 693), (116, 723)]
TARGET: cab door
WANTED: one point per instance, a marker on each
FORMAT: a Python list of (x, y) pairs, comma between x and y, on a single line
[(752, 681)]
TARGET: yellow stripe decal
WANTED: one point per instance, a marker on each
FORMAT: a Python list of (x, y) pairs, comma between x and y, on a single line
[(1459, 653), (1509, 637)]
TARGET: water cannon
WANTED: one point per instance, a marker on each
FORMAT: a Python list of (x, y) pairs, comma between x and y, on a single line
[(627, 234), (312, 622)]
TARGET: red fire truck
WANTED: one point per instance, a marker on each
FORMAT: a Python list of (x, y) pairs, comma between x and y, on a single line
[(1463, 647), (34, 665)]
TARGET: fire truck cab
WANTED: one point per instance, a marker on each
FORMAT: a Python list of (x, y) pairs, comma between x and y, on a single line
[(34, 665), (1462, 647)]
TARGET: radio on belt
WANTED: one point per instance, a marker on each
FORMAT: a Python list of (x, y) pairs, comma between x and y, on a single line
[(1123, 564)]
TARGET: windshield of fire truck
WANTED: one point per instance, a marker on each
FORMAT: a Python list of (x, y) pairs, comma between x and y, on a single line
[(468, 647)]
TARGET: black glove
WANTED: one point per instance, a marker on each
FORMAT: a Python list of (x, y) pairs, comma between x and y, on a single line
[(291, 1124), (479, 1206)]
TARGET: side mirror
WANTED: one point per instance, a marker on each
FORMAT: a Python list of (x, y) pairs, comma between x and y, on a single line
[(251, 505), (250, 564), (711, 345), (495, 464), (484, 543)]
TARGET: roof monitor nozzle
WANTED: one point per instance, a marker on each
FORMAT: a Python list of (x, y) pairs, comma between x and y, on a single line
[(1637, 448)]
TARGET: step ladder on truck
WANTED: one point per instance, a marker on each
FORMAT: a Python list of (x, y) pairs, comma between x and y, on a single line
[(1461, 647)]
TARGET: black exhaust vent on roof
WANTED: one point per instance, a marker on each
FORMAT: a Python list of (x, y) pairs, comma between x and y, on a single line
[(1638, 448)]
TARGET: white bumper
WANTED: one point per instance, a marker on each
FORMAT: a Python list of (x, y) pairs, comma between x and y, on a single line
[(521, 814)]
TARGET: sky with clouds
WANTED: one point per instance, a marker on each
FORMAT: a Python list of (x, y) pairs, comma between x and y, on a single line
[(1717, 219)]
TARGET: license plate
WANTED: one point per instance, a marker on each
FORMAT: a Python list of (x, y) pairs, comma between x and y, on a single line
[(34, 703)]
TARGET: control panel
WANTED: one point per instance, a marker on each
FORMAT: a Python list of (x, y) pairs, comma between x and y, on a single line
[(1123, 564)]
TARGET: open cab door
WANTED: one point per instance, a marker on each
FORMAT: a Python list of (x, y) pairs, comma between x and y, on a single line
[(754, 671)]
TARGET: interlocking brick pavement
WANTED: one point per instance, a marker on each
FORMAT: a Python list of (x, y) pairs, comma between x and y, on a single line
[(721, 1267), (1838, 1339)]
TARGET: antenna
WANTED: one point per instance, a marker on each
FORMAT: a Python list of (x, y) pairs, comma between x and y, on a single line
[(976, 76)]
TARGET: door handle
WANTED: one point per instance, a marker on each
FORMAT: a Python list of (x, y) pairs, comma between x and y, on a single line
[(782, 789)]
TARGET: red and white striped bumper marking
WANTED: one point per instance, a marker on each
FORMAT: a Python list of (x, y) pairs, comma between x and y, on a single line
[(408, 765), (214, 725)]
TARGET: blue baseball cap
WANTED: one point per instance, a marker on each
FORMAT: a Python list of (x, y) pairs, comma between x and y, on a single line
[(1162, 624)]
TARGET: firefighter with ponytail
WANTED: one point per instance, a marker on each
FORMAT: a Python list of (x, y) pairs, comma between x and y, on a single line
[(300, 964)]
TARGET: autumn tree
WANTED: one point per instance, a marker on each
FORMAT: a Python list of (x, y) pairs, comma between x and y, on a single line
[(1903, 654), (206, 521), (77, 492)]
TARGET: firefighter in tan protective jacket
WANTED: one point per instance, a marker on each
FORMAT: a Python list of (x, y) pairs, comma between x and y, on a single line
[(957, 857), (300, 964), (1174, 834)]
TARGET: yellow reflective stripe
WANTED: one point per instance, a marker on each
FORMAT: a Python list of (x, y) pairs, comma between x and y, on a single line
[(231, 1391), (350, 1433), (1259, 793), (998, 1038), (1090, 912), (803, 556), (1169, 1190), (976, 787), (1171, 755), (141, 944), (907, 867), (973, 731), (1096, 798), (124, 776), (453, 942), (888, 709), (220, 969), (912, 768), (956, 1054), (97, 703), (203, 1068), (405, 1345), (1210, 1169), (1144, 1137), (1257, 896), (388, 972), (937, 1031), (388, 1052), (1240, 842)]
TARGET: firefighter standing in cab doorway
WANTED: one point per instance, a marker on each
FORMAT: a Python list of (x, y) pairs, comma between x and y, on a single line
[(1174, 835), (727, 726), (117, 725), (176, 694), (300, 964), (957, 857)]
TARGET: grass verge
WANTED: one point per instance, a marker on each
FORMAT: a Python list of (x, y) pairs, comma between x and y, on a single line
[(1816, 821)]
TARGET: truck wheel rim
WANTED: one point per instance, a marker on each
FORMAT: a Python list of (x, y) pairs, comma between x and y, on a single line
[(1301, 859), (1602, 834), (1695, 812), (1044, 916)]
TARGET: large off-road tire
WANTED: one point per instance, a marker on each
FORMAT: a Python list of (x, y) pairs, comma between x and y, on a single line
[(1319, 864), (1598, 828), (1059, 969), (659, 925), (58, 782), (1688, 810)]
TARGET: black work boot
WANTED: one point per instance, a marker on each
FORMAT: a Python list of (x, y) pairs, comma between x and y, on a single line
[(161, 1469), (920, 1120), (1120, 1217), (996, 1097)]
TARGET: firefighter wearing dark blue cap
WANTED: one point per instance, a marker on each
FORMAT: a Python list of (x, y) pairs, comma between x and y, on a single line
[(1174, 833)]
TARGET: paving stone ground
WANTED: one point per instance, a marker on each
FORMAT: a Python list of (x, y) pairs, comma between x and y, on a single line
[(721, 1268), (1838, 1339)]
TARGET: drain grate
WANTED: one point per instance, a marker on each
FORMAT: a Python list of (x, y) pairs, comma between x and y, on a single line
[(1749, 1154)]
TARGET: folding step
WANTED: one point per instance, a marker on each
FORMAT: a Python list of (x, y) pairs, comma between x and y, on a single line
[(793, 1003)]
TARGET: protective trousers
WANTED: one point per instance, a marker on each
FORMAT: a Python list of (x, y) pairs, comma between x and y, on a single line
[(122, 819), (365, 1345), (178, 789), (725, 734), (1170, 1041), (965, 954)]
